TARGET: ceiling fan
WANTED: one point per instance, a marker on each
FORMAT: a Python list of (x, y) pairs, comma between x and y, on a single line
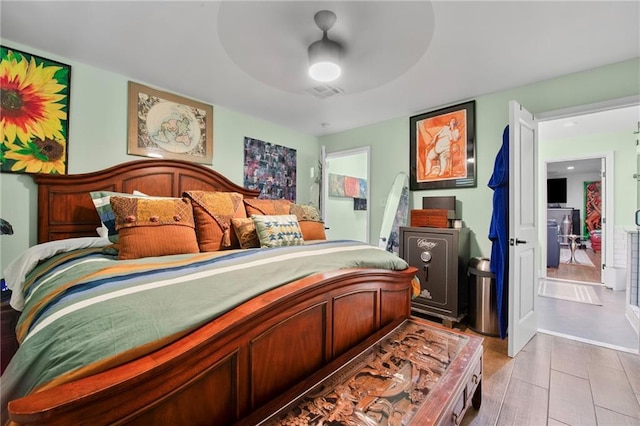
[(325, 55)]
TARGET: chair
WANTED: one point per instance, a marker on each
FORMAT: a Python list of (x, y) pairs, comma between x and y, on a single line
[(553, 244), (595, 236)]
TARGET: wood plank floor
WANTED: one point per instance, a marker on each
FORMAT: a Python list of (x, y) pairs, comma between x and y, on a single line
[(590, 274), (556, 381)]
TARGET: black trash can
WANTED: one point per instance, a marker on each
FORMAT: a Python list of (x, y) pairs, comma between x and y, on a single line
[(483, 301)]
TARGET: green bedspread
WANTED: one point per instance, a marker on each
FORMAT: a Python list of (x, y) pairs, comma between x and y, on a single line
[(86, 307)]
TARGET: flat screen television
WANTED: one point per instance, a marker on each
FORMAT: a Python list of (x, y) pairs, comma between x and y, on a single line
[(557, 191)]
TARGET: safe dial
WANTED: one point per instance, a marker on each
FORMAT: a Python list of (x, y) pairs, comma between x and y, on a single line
[(425, 256)]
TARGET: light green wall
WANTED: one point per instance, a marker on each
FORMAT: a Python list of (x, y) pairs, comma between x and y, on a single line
[(98, 139), (623, 146), (389, 140)]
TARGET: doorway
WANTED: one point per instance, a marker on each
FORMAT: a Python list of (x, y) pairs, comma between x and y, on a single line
[(346, 216), (574, 231), (584, 147)]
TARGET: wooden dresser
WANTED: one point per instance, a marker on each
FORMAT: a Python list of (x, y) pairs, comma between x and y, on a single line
[(420, 373)]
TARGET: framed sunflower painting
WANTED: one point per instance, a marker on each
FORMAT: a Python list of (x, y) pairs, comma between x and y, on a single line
[(34, 127)]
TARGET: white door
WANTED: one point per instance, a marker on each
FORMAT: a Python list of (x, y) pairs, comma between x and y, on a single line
[(523, 233)]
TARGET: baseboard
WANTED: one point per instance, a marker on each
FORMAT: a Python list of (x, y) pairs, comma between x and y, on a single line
[(590, 342)]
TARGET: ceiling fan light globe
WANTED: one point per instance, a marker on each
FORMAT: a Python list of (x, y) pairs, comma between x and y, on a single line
[(324, 71), (324, 59)]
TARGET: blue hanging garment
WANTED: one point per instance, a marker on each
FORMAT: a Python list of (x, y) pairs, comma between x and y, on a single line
[(499, 230)]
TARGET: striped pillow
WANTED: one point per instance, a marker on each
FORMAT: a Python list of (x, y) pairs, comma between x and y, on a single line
[(278, 231), (102, 202)]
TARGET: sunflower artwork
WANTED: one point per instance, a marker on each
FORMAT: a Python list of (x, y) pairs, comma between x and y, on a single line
[(34, 114)]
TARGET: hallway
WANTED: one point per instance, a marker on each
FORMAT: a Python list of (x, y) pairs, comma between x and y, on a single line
[(606, 324)]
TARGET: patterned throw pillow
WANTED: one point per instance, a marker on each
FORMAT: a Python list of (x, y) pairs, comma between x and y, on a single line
[(213, 212), (101, 200), (245, 230), (267, 207), (305, 212), (310, 222), (154, 226), (278, 231)]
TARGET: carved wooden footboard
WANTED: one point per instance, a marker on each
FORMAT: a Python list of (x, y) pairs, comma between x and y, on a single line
[(418, 374), (235, 364)]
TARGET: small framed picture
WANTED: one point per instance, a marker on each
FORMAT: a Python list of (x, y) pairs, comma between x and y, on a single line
[(360, 204), (164, 125), (443, 148)]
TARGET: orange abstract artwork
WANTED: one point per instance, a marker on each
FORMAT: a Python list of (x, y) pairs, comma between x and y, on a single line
[(592, 206), (441, 148)]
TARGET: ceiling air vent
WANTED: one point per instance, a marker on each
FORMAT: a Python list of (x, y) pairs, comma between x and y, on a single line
[(325, 91)]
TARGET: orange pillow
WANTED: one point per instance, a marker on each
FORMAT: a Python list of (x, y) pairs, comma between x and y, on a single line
[(312, 230), (154, 227), (213, 212), (267, 207)]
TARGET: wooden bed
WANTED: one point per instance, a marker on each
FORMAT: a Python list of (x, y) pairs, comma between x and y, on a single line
[(233, 365)]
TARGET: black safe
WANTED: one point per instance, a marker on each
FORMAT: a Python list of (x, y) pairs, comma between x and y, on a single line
[(441, 256)]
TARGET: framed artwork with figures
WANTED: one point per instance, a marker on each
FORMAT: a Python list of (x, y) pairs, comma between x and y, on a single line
[(443, 148), (164, 125)]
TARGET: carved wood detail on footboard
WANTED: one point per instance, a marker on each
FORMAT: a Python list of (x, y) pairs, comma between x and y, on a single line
[(233, 365)]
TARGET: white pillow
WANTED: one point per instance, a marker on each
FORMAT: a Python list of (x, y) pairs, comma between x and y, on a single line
[(16, 272), (102, 231)]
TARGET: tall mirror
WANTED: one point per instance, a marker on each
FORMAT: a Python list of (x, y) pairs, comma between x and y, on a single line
[(396, 212)]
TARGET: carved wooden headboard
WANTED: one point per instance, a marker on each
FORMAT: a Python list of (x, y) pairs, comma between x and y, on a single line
[(65, 208)]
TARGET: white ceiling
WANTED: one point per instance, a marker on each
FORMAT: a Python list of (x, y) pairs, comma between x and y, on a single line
[(401, 58), (624, 120), (579, 167)]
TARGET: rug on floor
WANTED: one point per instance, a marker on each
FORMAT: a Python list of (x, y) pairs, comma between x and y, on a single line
[(568, 291), (581, 257)]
